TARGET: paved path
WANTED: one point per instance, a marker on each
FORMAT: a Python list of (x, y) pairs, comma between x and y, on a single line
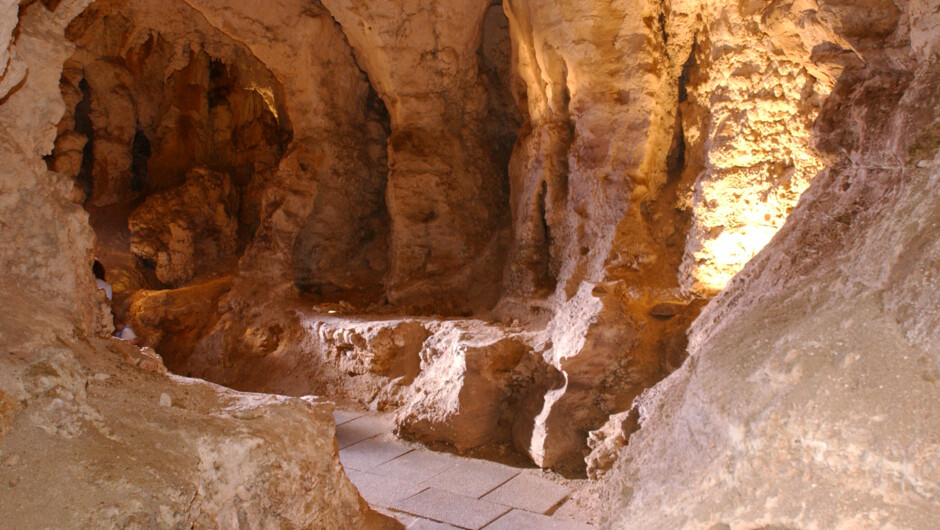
[(428, 490)]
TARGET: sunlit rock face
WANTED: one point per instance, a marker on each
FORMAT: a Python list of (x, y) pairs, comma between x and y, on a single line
[(812, 377), (578, 177), (495, 220), (756, 89)]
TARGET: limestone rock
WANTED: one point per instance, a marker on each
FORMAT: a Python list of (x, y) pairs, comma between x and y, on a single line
[(173, 321), (607, 442), (86, 427), (188, 228), (51, 248), (84, 440), (445, 194), (391, 350), (157, 91), (11, 72), (812, 376), (611, 188), (470, 386), (320, 182)]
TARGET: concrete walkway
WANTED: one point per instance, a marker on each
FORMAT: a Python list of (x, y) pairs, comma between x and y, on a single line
[(428, 490)]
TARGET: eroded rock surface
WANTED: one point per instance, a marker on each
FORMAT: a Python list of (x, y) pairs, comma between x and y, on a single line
[(93, 432), (193, 226), (655, 152), (812, 378), (96, 424), (496, 220)]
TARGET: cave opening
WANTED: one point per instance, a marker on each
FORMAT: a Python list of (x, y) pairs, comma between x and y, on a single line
[(170, 151)]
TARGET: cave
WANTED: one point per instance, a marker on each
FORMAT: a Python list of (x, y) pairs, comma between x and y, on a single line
[(494, 264)]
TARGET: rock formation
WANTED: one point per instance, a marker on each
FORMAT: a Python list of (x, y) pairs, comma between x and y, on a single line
[(499, 222), (809, 397), (186, 228), (93, 431)]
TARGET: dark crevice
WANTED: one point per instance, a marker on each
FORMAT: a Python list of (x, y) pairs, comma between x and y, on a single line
[(662, 27), (546, 278), (686, 72), (675, 162), (140, 155), (494, 54), (84, 126)]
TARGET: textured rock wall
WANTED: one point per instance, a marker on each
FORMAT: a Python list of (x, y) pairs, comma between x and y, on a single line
[(659, 145), (165, 92), (809, 399), (48, 250), (193, 226), (577, 177), (446, 194), (756, 89), (599, 93), (93, 432), (333, 173)]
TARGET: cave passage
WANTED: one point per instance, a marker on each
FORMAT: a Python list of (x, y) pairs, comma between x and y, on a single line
[(498, 258)]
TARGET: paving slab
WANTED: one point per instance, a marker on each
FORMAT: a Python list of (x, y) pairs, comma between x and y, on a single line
[(528, 492), (447, 507), (416, 523), (345, 416), (420, 523), (473, 478), (370, 453), (417, 466), (520, 520), (360, 429), (381, 491)]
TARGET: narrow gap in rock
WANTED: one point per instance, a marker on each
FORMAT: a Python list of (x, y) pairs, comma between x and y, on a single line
[(504, 118), (546, 275), (84, 127), (140, 155)]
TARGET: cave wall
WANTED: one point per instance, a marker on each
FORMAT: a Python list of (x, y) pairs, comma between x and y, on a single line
[(446, 194), (50, 250), (657, 147), (575, 179), (78, 410), (809, 399), (331, 180), (165, 93)]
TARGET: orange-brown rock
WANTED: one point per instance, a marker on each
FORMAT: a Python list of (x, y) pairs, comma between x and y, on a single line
[(812, 376), (187, 229), (498, 221), (92, 430)]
